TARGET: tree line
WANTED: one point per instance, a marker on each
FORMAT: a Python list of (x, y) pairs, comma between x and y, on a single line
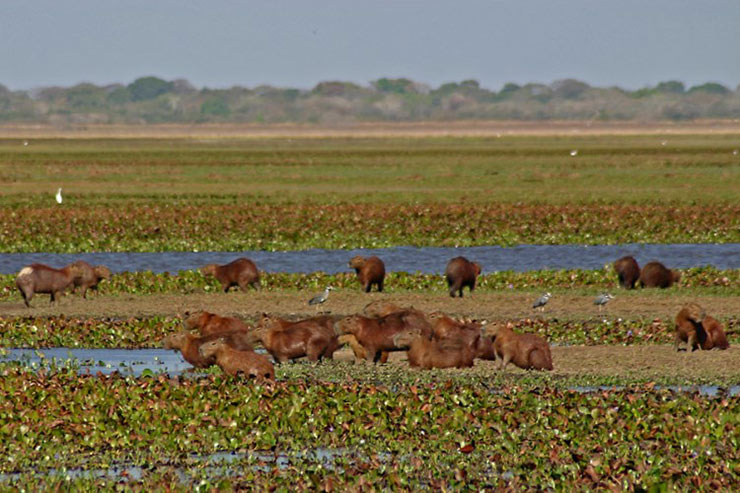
[(155, 100)]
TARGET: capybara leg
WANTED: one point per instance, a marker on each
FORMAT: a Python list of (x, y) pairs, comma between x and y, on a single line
[(503, 362), (692, 342), (256, 285), (454, 289), (357, 348), (367, 287), (225, 286), (314, 349), (27, 298), (380, 287), (84, 293), (384, 356), (677, 342)]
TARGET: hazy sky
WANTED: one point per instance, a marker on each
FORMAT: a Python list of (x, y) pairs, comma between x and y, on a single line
[(297, 43)]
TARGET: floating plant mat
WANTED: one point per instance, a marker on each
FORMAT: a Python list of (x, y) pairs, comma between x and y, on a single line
[(418, 434)]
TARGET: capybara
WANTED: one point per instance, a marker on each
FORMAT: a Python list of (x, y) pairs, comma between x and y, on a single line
[(656, 275), (209, 323), (370, 270), (432, 353), (241, 272), (234, 362), (89, 276), (716, 338), (689, 328), (445, 327), (527, 351), (380, 308), (628, 271), (189, 344), (307, 339), (461, 272), (374, 334), (40, 278)]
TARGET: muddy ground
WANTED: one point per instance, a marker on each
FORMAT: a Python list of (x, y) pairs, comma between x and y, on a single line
[(481, 306)]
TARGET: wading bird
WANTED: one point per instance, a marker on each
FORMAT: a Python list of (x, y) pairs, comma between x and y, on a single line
[(318, 300), (602, 300), (542, 301), (59, 196)]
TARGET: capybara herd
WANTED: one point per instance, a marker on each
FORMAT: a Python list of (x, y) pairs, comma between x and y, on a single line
[(652, 275), (430, 340)]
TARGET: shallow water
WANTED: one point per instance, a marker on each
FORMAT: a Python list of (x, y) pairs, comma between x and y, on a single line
[(431, 260)]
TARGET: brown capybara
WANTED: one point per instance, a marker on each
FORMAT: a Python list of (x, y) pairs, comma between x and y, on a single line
[(370, 270), (716, 338), (40, 278), (689, 328), (445, 327), (209, 323), (628, 271), (234, 362), (374, 334), (296, 341), (527, 351), (461, 272), (358, 349), (241, 272), (380, 308), (656, 275), (432, 353), (189, 345), (89, 276), (324, 323)]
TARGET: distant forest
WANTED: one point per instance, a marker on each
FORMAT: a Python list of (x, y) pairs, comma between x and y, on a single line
[(154, 100)]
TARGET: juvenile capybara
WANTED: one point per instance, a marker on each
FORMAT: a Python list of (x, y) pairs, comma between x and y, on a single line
[(209, 323), (310, 340), (527, 351), (374, 334), (189, 345), (241, 272), (628, 271), (370, 270), (716, 338), (432, 353), (234, 362), (89, 276), (656, 275), (461, 272), (40, 278), (689, 328)]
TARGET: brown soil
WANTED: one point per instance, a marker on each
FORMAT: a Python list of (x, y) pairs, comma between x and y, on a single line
[(481, 306), (381, 129)]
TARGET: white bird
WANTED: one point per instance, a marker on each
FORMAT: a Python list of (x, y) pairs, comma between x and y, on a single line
[(663, 142), (25, 143), (602, 300), (59, 196), (542, 301), (574, 152), (319, 299), (734, 153)]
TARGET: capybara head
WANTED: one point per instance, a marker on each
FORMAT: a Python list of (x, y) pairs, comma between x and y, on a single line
[(478, 268), (695, 312), (102, 272), (175, 341), (210, 348), (209, 270), (357, 262), (403, 339), (196, 320), (676, 275), (347, 325)]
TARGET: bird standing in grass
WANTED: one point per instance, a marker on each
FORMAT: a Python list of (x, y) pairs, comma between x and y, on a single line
[(542, 301), (602, 300), (320, 299), (59, 196)]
